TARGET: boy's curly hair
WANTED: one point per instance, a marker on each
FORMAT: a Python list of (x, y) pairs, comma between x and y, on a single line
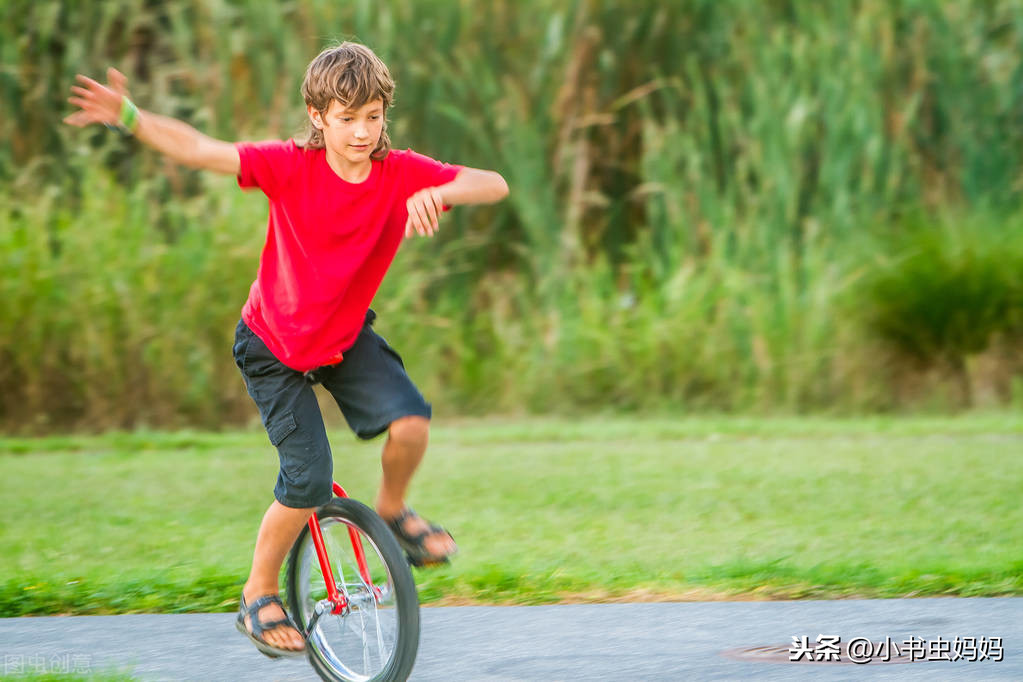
[(352, 74)]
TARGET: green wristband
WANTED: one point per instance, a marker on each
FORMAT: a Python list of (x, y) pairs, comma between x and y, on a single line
[(129, 116)]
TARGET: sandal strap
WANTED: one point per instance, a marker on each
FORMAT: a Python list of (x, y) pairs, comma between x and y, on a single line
[(258, 625), (276, 624), (434, 528), (414, 544), (265, 600), (404, 515), (397, 525)]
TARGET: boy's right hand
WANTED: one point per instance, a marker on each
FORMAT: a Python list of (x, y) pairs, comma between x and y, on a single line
[(181, 142), (98, 103)]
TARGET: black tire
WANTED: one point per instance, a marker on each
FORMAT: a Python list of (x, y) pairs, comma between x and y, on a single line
[(382, 545)]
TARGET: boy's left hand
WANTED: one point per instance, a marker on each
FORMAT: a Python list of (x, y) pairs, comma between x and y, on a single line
[(424, 210)]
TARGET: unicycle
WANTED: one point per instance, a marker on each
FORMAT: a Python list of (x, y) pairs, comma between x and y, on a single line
[(351, 592)]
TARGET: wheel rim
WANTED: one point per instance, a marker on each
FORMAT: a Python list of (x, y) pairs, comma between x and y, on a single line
[(360, 643)]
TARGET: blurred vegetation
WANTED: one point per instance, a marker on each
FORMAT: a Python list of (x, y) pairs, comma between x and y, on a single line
[(716, 205)]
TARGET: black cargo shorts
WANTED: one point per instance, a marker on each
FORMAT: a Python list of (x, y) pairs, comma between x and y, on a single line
[(370, 386)]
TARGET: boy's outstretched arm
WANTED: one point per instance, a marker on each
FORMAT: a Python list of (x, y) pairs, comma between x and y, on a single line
[(181, 142), (470, 186)]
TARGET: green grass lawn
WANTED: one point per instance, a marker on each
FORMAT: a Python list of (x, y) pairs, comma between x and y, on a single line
[(543, 510)]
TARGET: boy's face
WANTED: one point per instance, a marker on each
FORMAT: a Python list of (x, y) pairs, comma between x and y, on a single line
[(351, 133)]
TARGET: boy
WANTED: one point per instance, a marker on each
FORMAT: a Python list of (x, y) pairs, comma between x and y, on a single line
[(340, 203)]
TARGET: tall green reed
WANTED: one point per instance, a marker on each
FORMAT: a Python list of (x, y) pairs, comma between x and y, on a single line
[(688, 181)]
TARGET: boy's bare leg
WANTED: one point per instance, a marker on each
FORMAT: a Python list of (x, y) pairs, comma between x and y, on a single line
[(277, 533), (406, 444)]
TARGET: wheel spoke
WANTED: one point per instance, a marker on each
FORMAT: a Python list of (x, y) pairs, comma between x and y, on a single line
[(365, 643), (382, 653)]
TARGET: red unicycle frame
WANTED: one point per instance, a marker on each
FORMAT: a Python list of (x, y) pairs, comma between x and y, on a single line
[(337, 599)]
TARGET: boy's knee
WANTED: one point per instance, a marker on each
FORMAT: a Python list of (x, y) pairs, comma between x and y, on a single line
[(411, 431)]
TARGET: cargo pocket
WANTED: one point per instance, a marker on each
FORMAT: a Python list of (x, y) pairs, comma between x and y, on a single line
[(281, 428), (298, 453)]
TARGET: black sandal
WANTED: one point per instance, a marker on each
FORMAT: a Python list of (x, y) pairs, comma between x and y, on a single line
[(259, 627), (415, 544)]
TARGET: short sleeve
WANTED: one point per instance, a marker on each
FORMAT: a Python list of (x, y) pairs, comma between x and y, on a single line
[(267, 165), (421, 171)]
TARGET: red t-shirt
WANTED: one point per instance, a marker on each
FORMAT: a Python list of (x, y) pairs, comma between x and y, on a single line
[(328, 245)]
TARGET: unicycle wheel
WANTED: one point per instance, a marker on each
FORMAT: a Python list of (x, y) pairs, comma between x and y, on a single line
[(377, 636)]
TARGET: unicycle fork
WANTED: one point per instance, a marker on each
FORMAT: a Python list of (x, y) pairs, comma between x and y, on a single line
[(336, 602)]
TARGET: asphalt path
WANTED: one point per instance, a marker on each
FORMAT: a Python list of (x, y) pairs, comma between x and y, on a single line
[(677, 641)]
